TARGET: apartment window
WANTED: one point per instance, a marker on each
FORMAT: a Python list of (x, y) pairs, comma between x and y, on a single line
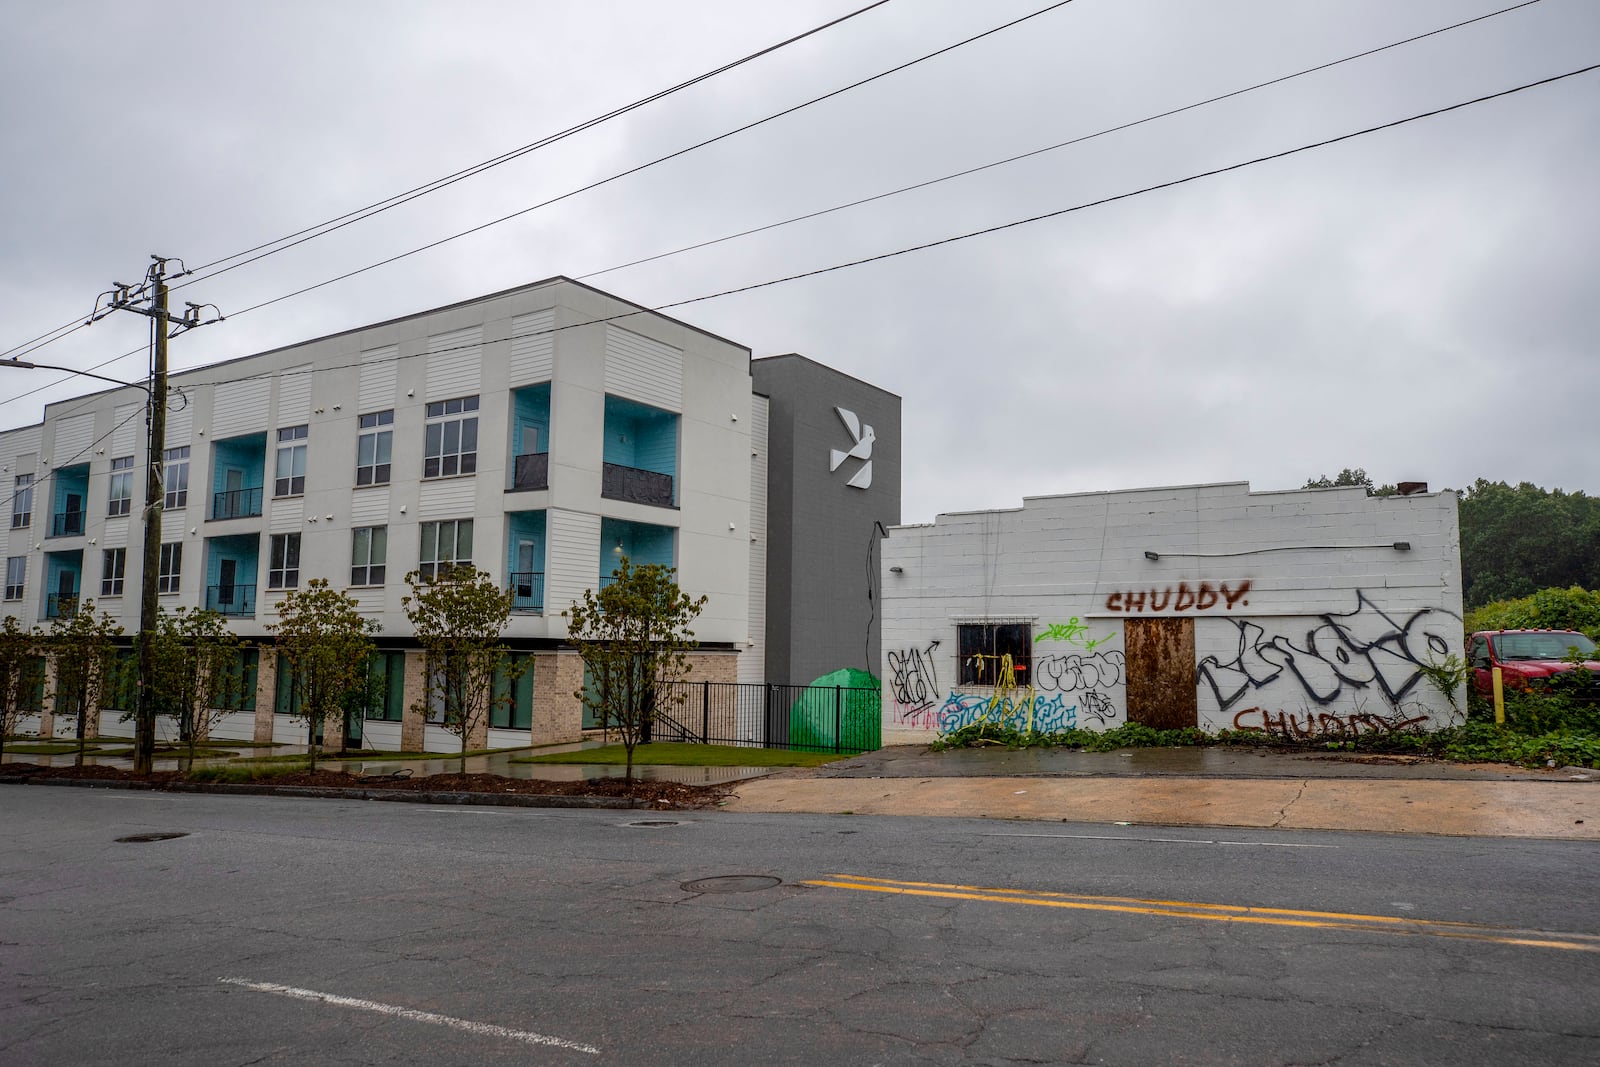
[(284, 572), (373, 448), (175, 472), (16, 576), (171, 568), (112, 571), (121, 501), (291, 469), (450, 445), (444, 545), (369, 550), (22, 502), (982, 647)]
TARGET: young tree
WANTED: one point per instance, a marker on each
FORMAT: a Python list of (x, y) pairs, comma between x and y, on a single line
[(458, 617), (634, 637), (196, 679), (327, 649), (83, 643), (19, 675)]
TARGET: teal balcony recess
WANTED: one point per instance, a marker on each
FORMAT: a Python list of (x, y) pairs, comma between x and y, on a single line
[(69, 493), (530, 437), (641, 542), (525, 541), (238, 472), (641, 453), (63, 583), (231, 569)]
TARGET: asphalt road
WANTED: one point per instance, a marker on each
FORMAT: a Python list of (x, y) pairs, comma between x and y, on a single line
[(292, 931)]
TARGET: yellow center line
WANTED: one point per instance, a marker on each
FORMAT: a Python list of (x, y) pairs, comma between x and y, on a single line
[(1232, 913)]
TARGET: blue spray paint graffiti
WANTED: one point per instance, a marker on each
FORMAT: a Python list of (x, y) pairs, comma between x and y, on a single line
[(1030, 714)]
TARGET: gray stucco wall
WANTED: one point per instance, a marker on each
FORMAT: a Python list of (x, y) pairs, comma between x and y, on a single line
[(823, 609)]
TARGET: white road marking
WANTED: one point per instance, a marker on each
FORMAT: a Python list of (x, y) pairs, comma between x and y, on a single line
[(485, 1029), (1166, 840)]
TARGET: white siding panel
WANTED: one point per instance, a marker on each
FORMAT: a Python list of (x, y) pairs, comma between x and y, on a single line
[(19, 445), (369, 507), (380, 369), (453, 498), (180, 418), (752, 658), (129, 431), (572, 558), (73, 437), (239, 407), (641, 369), (455, 363), (294, 396), (533, 347), (288, 515)]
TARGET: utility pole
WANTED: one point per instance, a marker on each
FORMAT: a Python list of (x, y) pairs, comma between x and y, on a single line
[(150, 299)]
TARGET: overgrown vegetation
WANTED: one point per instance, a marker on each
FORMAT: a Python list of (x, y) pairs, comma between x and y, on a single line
[(1573, 608)]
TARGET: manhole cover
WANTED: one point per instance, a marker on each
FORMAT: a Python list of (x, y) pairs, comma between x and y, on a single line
[(140, 839), (731, 883), (653, 822)]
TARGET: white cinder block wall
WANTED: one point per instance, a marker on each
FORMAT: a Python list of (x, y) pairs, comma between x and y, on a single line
[(1306, 620)]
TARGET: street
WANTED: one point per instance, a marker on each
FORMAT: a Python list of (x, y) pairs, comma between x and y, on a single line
[(284, 931)]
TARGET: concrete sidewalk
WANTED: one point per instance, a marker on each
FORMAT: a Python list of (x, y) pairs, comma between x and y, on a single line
[(1195, 787)]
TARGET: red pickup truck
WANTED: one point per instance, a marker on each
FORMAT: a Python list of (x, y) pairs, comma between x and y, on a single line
[(1528, 658)]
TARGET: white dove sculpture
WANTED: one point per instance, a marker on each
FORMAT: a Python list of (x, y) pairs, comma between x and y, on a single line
[(863, 436)]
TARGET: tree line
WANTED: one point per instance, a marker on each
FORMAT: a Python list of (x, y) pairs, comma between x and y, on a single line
[(1515, 539)]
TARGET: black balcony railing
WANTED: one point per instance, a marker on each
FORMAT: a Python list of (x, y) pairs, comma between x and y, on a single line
[(232, 599), (236, 503), (527, 590), (634, 485), (57, 606), (66, 524), (531, 471)]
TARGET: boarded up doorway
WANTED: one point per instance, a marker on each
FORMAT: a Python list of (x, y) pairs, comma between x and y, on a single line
[(1161, 673)]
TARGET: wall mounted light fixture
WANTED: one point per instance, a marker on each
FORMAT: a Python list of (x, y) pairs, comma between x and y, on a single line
[(1151, 555)]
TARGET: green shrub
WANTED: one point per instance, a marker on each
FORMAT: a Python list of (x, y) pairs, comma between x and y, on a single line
[(1548, 609)]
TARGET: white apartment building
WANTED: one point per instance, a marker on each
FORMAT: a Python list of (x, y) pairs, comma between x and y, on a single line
[(539, 433)]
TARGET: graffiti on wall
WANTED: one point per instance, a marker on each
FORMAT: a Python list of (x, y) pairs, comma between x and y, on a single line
[(1073, 632), (1341, 656), (1065, 672), (1181, 598), (1025, 714), (914, 685), (1316, 725)]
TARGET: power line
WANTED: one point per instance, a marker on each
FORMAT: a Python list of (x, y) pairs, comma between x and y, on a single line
[(349, 218), (321, 368), (654, 162), (359, 214), (1051, 148)]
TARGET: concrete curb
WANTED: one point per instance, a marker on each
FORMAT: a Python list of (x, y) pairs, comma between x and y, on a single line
[(405, 796)]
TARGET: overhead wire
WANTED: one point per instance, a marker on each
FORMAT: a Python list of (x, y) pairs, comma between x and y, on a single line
[(1053, 147), (952, 239), (377, 207)]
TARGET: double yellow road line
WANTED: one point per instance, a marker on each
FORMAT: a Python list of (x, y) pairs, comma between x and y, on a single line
[(1227, 913)]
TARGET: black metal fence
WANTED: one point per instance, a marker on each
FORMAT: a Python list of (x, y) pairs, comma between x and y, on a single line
[(796, 717)]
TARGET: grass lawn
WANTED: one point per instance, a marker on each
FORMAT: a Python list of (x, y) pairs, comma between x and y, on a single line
[(357, 757), (677, 754), (50, 748)]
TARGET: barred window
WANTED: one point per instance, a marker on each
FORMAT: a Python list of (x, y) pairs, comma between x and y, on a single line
[(982, 648), (450, 443)]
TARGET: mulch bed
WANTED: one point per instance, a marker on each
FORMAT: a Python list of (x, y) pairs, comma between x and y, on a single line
[(654, 794)]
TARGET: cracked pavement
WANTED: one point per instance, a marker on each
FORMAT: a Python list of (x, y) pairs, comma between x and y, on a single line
[(576, 924)]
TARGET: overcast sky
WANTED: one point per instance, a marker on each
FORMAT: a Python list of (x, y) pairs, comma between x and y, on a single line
[(1421, 302)]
